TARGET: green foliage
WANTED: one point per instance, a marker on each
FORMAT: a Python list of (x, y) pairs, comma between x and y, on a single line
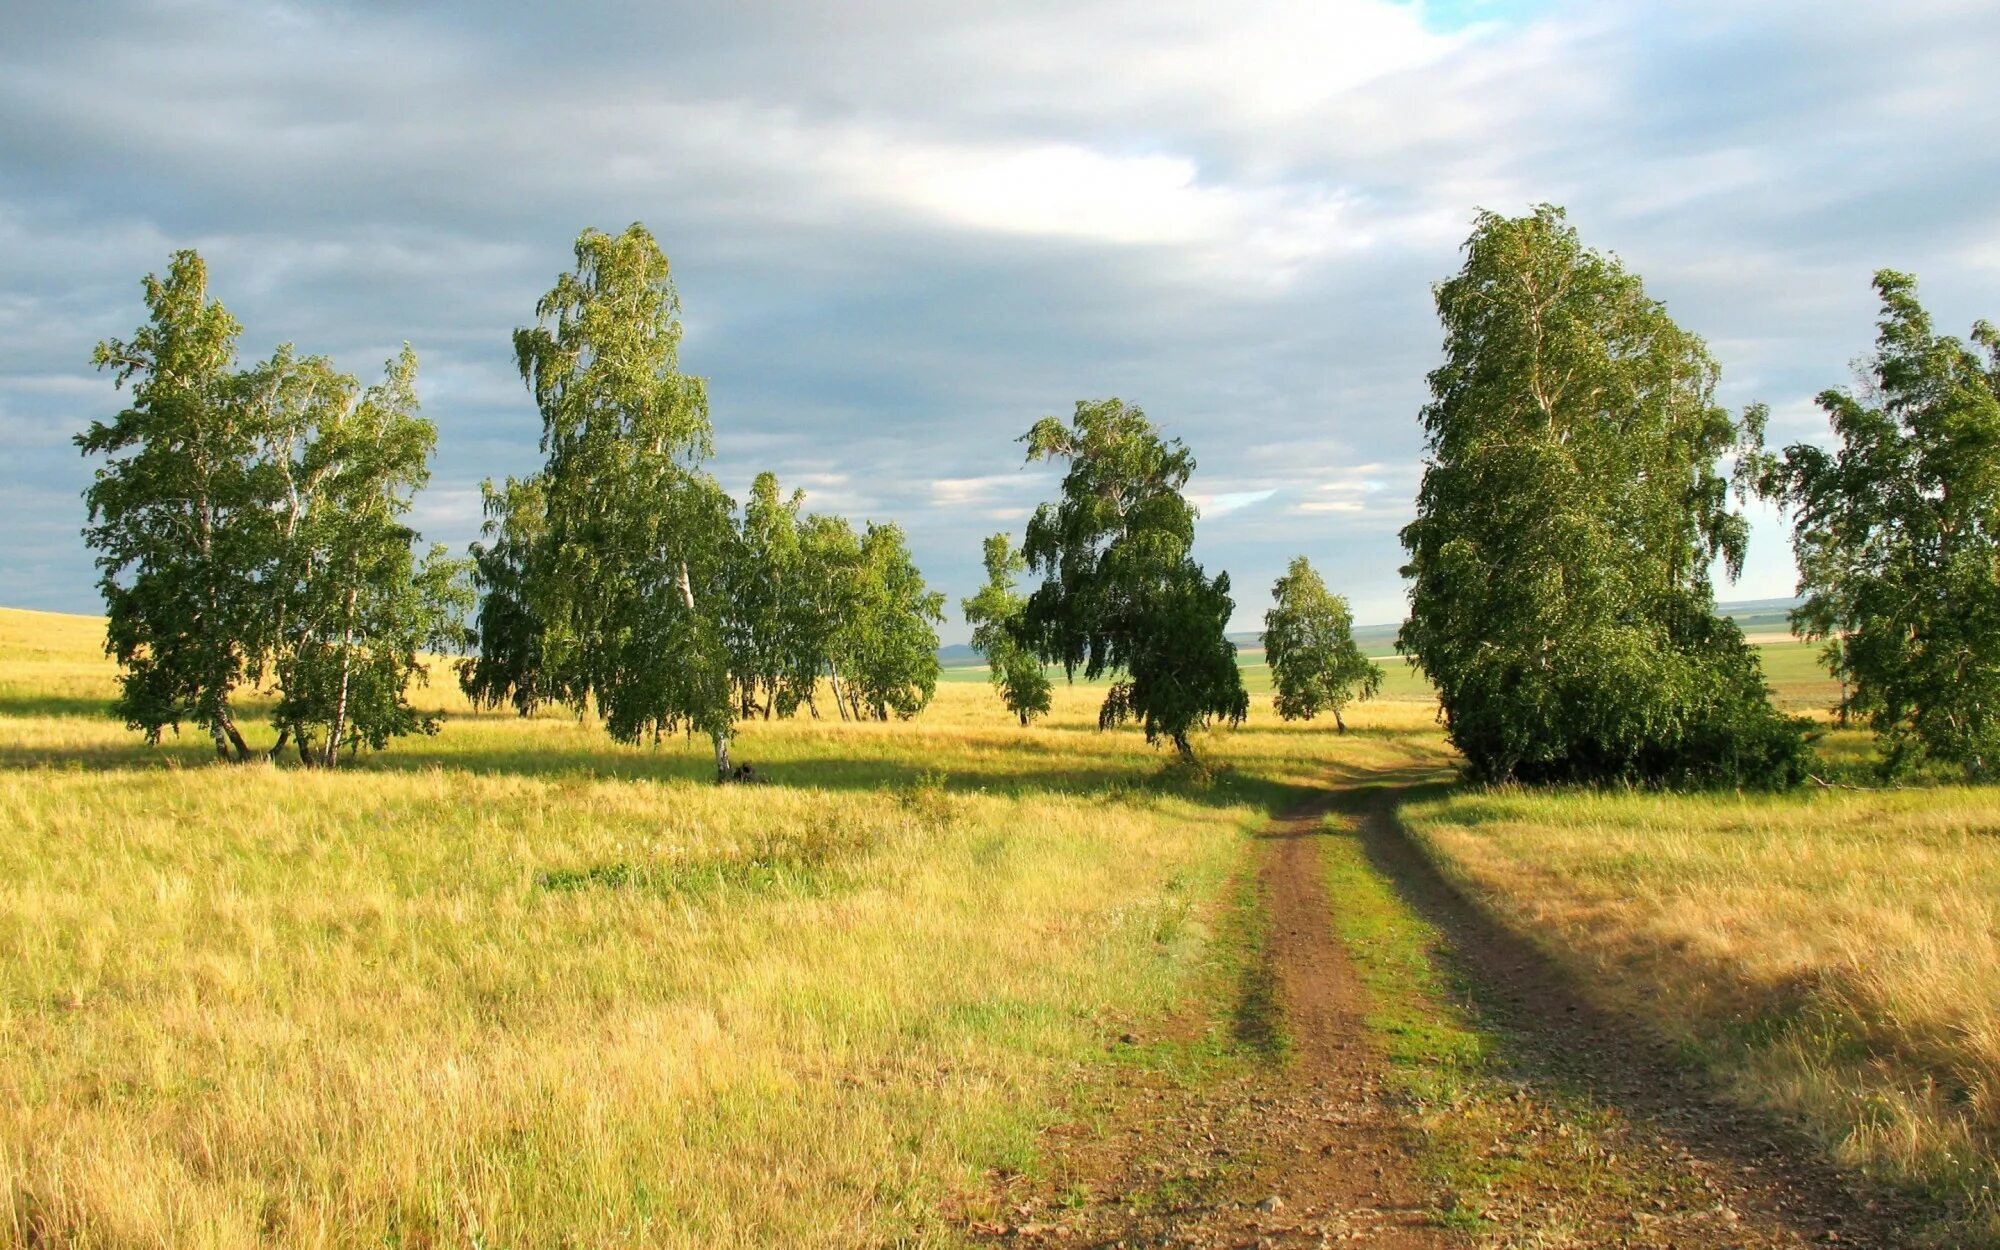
[(1565, 527), (1309, 641), (179, 513), (620, 575), (1897, 533), (507, 665), (629, 575), (356, 607), (768, 656), (887, 645), (250, 524), (995, 614), (1120, 591)]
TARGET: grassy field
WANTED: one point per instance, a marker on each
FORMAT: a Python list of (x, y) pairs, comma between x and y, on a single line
[(1834, 955), (516, 985), (517, 979)]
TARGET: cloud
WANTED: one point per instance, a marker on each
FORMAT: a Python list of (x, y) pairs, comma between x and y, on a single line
[(902, 231)]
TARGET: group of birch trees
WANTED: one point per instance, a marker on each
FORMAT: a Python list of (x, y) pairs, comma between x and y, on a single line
[(251, 529), (1578, 495), (621, 577)]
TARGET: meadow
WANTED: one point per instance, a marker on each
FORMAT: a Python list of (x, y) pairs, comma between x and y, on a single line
[(1831, 954), (519, 985)]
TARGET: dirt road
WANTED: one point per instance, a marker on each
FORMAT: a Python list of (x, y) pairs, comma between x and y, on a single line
[(1572, 1130)]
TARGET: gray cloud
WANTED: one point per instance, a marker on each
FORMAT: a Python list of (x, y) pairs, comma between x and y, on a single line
[(901, 234)]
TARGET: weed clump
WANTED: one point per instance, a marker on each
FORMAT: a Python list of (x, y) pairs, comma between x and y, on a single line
[(927, 804)]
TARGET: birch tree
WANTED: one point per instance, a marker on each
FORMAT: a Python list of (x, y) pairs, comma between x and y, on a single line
[(829, 597), (1571, 507), (628, 579), (889, 641), (1897, 534), (506, 665), (765, 603), (995, 616), (1121, 594), (250, 525), (180, 515), (1309, 643), (357, 607)]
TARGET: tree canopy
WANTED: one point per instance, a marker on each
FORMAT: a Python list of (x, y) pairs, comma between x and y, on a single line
[(629, 573), (1570, 510), (1897, 535), (1309, 643), (620, 576), (1120, 591), (250, 524)]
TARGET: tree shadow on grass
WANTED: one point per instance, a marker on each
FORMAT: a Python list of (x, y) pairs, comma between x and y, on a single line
[(1552, 1035), (21, 703), (1003, 762)]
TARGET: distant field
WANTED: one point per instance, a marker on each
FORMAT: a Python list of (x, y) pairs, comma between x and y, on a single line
[(1791, 667)]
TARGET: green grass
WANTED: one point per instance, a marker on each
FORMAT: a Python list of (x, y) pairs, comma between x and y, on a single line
[(519, 985)]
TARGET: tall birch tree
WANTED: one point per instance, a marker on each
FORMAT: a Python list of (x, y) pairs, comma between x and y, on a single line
[(180, 514), (628, 581), (1897, 534), (1571, 508), (1121, 594)]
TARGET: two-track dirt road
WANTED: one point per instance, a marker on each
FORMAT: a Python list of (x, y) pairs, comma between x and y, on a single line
[(1320, 1144)]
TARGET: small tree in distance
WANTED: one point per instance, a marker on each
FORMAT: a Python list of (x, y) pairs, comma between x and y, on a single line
[(994, 614), (1309, 641)]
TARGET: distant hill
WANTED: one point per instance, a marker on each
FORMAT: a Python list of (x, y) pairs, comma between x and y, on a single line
[(1752, 616)]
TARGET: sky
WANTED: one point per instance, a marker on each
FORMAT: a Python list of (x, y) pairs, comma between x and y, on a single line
[(902, 232)]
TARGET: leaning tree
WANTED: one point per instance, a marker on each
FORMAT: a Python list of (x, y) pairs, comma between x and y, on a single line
[(1121, 594), (1570, 511), (1897, 534)]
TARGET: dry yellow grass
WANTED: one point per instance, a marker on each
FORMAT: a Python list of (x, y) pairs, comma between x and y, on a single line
[(519, 986), (1834, 954)]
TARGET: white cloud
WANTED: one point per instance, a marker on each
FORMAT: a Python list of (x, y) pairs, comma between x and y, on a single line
[(905, 230)]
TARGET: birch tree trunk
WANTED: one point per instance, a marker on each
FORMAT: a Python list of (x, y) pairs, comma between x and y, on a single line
[(720, 737), (339, 726)]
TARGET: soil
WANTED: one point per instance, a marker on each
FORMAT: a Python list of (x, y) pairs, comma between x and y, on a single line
[(1315, 1147)]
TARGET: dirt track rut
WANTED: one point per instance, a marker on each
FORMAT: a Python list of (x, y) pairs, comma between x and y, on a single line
[(1317, 1148)]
